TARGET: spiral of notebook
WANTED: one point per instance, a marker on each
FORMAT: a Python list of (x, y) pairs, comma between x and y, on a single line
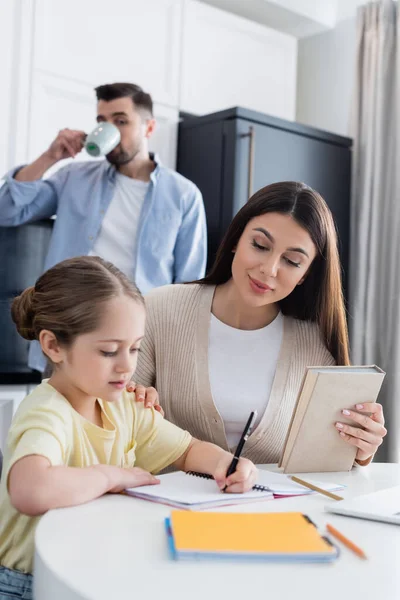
[(197, 491), (255, 488)]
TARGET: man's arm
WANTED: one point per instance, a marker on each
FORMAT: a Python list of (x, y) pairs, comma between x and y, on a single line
[(36, 169), (191, 245), (24, 197), (67, 144)]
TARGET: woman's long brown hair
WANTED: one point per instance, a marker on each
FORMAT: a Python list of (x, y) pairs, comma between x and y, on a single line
[(320, 297)]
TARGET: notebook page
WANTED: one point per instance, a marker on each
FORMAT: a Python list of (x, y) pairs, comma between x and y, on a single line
[(281, 484), (188, 489)]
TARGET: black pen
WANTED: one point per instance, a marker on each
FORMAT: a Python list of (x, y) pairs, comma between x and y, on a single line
[(239, 447)]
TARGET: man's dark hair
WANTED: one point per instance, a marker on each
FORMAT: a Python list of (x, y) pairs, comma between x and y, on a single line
[(112, 91)]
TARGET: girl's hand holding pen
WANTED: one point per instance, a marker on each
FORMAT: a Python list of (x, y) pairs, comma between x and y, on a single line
[(242, 480)]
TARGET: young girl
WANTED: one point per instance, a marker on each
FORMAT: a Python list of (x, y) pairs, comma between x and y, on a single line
[(241, 338), (79, 434)]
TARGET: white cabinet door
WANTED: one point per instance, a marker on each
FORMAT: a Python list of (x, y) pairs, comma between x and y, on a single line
[(10, 398), (98, 41), (79, 45), (230, 61)]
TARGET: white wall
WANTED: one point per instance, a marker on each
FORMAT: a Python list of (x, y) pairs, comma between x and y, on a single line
[(231, 61), (326, 70), (346, 9), (188, 55), (326, 66)]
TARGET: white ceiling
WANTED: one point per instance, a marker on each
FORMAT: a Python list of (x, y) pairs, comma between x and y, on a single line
[(300, 18)]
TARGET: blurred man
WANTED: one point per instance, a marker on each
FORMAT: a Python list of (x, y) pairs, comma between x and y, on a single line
[(129, 209)]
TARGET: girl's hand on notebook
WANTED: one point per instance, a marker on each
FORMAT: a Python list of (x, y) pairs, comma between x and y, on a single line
[(368, 432), (147, 395), (121, 479), (242, 480)]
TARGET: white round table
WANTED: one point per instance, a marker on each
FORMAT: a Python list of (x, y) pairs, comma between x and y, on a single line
[(115, 548)]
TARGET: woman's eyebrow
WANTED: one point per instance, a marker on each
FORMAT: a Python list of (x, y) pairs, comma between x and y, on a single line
[(120, 341), (272, 240)]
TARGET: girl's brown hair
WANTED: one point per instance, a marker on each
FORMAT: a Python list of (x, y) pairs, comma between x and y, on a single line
[(320, 297), (67, 299)]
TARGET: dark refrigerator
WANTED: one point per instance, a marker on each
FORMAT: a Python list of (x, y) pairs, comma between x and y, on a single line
[(22, 252), (233, 153)]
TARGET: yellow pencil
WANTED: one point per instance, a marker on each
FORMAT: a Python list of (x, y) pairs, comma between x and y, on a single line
[(313, 487), (346, 541)]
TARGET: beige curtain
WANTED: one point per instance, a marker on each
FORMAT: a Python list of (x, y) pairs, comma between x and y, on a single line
[(375, 220)]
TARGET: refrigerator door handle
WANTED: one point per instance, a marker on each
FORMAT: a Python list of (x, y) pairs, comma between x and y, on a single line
[(250, 164)]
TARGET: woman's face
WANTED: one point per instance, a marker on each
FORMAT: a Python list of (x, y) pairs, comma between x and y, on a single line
[(273, 255)]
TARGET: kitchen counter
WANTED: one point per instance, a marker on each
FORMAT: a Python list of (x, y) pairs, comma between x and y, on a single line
[(18, 375)]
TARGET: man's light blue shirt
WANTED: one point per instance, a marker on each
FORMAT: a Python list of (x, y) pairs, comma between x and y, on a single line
[(171, 242)]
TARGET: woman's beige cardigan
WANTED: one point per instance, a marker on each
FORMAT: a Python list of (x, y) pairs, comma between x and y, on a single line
[(174, 359)]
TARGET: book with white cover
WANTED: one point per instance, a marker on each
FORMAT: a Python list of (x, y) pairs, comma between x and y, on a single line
[(312, 443)]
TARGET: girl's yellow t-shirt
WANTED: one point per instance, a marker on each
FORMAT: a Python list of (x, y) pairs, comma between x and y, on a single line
[(46, 424)]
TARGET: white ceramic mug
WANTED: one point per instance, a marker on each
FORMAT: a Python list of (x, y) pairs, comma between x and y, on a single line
[(104, 138)]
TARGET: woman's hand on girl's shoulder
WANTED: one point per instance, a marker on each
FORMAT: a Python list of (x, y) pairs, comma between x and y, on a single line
[(147, 395)]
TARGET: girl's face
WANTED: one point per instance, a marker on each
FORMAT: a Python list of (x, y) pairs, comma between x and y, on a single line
[(100, 364), (273, 255)]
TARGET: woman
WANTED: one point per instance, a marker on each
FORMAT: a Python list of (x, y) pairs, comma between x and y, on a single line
[(241, 338)]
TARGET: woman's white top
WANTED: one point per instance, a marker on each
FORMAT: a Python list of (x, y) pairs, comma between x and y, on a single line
[(242, 367)]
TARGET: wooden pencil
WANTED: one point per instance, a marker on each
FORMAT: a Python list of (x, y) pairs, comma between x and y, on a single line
[(345, 541), (313, 487)]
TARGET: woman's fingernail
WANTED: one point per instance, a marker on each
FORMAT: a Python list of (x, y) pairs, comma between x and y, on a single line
[(342, 433), (339, 425), (140, 397), (345, 411), (360, 406), (148, 404)]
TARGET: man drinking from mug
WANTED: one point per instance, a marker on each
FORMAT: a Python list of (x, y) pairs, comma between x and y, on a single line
[(129, 209)]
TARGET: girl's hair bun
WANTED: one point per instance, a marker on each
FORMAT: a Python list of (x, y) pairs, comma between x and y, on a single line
[(23, 313)]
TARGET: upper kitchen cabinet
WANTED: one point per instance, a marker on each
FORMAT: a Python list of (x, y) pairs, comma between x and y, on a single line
[(98, 41), (68, 48), (231, 61)]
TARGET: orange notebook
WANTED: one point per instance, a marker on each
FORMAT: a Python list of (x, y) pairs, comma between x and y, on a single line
[(286, 537)]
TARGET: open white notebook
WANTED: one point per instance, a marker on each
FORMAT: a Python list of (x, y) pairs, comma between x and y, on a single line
[(194, 491)]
